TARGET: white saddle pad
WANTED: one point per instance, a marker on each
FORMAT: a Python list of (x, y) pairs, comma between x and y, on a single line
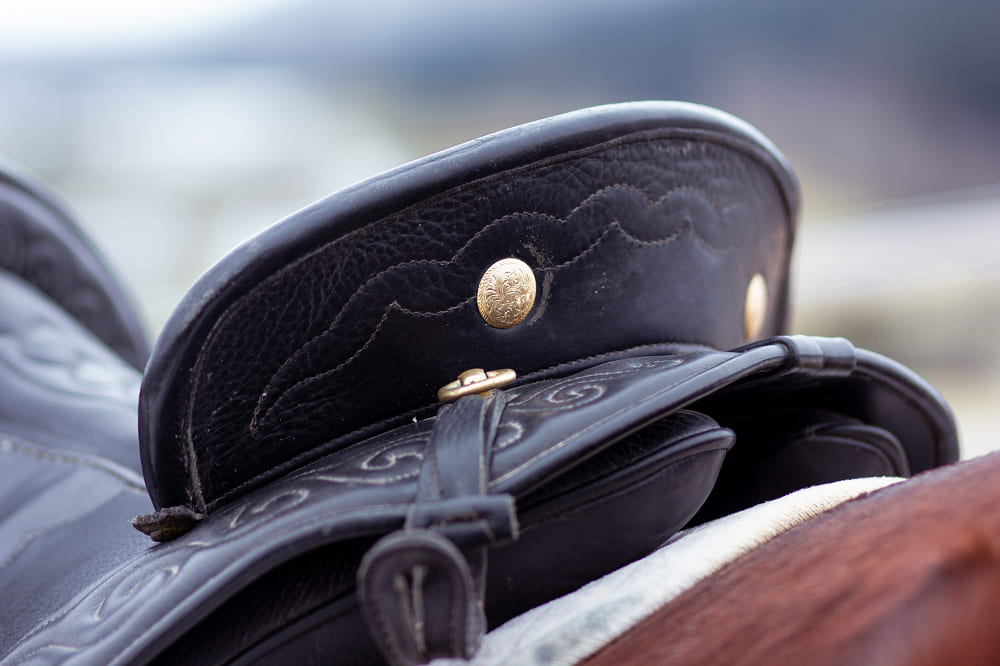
[(570, 628)]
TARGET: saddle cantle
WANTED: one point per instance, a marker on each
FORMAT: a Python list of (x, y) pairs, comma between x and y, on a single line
[(315, 500), (642, 224)]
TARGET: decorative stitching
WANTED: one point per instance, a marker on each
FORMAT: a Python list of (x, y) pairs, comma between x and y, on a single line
[(514, 471), (95, 463), (31, 536), (323, 449), (670, 138), (257, 419), (8, 446)]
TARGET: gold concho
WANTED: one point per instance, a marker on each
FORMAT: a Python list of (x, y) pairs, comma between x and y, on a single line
[(506, 293), (755, 307)]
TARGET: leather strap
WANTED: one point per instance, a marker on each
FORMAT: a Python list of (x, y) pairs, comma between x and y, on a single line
[(421, 596)]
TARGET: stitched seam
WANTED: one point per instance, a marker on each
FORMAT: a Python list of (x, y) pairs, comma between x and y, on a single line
[(308, 456), (382, 625), (319, 451), (743, 147), (9, 446), (870, 374), (133, 566), (28, 538), (31, 536), (257, 417), (620, 491), (594, 424), (255, 423), (389, 269)]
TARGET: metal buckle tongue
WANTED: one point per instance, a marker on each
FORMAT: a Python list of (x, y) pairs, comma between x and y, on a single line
[(475, 382)]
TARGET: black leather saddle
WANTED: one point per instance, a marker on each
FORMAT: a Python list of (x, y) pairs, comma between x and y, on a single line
[(609, 287)]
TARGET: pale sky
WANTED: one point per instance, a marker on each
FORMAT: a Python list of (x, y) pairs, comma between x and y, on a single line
[(37, 26), (71, 26)]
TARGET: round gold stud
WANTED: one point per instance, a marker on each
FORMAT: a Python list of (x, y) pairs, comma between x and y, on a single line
[(506, 293), (755, 307)]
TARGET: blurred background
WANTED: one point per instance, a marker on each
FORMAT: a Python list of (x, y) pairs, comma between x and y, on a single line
[(177, 130)]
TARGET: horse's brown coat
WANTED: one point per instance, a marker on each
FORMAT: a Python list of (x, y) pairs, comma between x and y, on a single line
[(909, 574)]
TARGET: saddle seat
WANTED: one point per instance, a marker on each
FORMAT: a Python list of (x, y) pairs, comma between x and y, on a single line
[(314, 498)]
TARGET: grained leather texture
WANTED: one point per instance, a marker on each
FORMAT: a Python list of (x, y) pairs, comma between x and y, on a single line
[(40, 242), (642, 223), (608, 450)]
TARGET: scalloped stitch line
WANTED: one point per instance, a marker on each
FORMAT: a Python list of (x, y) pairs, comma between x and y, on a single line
[(255, 422), (664, 144), (458, 253), (288, 303), (393, 306), (433, 262), (613, 226), (454, 256), (257, 418), (341, 313), (686, 226), (616, 186)]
